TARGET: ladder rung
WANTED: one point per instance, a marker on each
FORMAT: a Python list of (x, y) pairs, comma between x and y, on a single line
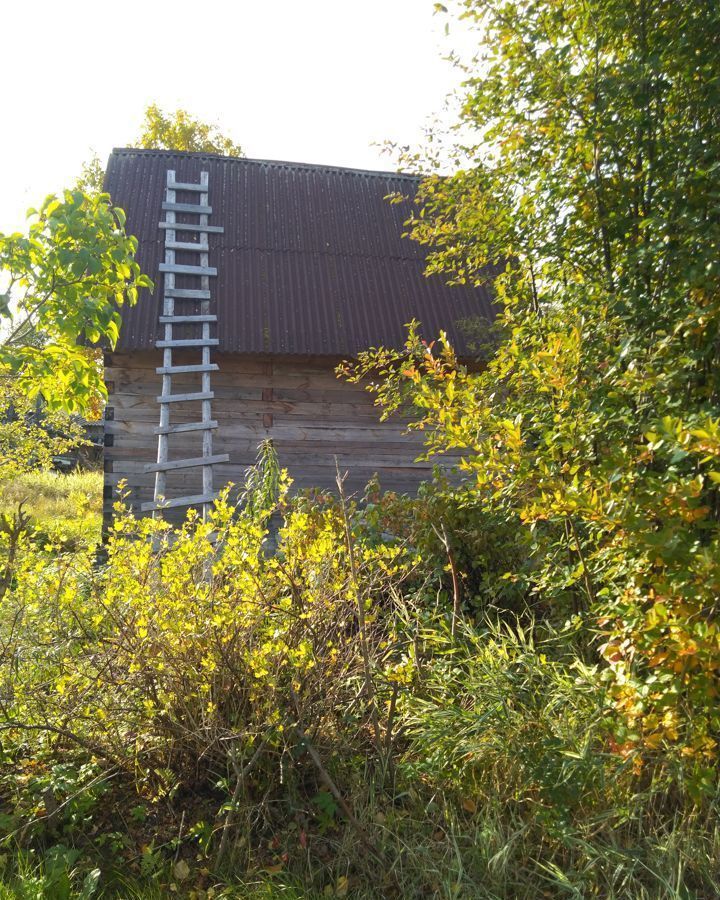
[(187, 293), (194, 342), (179, 370), (183, 226), (187, 186), (187, 208), (195, 500), (188, 463), (187, 270), (179, 320), (183, 245), (182, 398), (186, 426)]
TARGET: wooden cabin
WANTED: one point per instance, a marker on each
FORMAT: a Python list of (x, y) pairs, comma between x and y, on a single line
[(267, 275)]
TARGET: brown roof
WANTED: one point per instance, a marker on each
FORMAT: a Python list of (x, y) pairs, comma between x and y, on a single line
[(312, 260)]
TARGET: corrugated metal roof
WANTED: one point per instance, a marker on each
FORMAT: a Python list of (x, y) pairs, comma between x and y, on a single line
[(312, 260)]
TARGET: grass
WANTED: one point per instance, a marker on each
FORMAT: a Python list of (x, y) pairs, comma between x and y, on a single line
[(58, 876), (66, 507), (503, 783)]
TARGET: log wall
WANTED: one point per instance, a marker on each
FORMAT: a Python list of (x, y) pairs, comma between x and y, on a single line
[(311, 416)]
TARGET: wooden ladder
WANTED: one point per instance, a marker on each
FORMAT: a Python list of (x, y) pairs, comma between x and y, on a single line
[(200, 296)]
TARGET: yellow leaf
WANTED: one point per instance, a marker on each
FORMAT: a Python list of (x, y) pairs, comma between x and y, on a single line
[(181, 870)]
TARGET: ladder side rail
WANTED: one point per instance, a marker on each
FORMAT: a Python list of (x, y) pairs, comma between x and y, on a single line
[(207, 435), (168, 310)]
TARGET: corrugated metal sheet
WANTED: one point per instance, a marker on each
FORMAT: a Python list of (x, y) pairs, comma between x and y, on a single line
[(312, 261)]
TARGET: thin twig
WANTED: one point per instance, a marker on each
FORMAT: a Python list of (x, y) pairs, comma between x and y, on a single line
[(241, 776), (360, 598), (329, 782)]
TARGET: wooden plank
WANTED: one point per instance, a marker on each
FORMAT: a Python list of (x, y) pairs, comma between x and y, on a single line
[(184, 427), (239, 428), (246, 406), (135, 433), (188, 463), (187, 208), (187, 294), (186, 186), (286, 385), (227, 394), (187, 270), (241, 411), (299, 367), (185, 398), (138, 448), (123, 380), (133, 460), (195, 500), (184, 245), (181, 370), (179, 320), (317, 417), (185, 226), (184, 481), (194, 342)]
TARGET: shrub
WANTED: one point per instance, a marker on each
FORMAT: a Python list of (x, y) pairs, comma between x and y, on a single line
[(317, 717)]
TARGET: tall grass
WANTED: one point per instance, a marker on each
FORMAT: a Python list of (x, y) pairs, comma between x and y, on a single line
[(202, 716), (66, 507), (515, 726)]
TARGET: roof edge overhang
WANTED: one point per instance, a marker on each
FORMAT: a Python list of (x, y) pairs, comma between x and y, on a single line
[(270, 163)]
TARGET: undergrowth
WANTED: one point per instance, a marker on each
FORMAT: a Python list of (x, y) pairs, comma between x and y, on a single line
[(67, 508), (206, 717)]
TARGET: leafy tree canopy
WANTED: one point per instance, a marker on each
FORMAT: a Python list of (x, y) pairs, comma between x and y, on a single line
[(91, 177), (591, 175), (181, 131), (63, 284), (164, 131)]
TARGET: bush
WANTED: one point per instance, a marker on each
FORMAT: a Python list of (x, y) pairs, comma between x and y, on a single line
[(316, 719), (64, 509)]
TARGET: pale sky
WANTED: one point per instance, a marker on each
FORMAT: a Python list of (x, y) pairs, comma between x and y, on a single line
[(316, 81)]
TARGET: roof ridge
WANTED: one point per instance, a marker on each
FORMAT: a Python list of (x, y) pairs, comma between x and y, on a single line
[(274, 163)]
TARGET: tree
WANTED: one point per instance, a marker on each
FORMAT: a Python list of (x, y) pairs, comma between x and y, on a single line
[(31, 435), (593, 180), (91, 177), (64, 282), (163, 131), (180, 131)]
